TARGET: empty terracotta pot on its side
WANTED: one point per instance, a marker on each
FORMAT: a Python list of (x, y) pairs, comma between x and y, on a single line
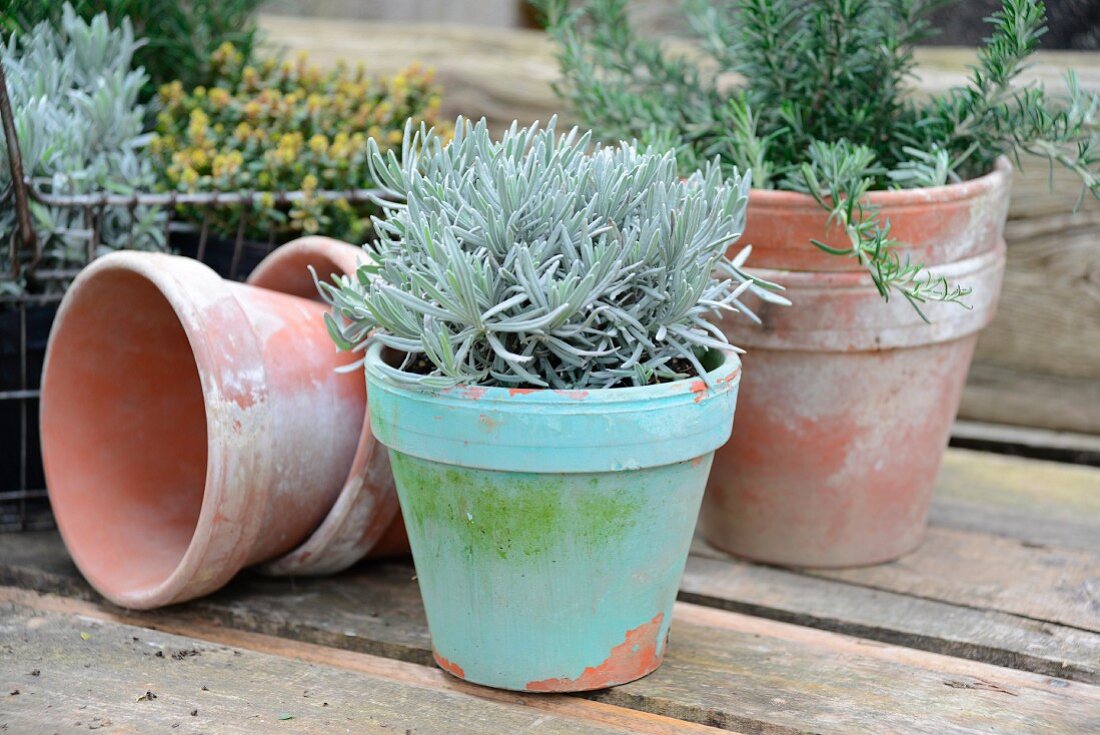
[(191, 426), (365, 520), (847, 401)]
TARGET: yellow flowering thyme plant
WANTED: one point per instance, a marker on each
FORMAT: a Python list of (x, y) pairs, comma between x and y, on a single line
[(286, 126)]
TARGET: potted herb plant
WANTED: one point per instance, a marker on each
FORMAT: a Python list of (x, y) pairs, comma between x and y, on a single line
[(883, 215), (539, 365)]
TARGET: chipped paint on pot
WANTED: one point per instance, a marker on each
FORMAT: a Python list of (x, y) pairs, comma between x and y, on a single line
[(848, 401), (550, 528), (365, 518), (191, 426)]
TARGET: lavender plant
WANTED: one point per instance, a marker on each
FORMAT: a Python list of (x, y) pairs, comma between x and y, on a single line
[(80, 128), (544, 260)]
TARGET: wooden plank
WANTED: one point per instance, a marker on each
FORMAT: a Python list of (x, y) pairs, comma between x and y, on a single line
[(1041, 583), (72, 664), (1010, 396), (374, 608), (777, 678), (1027, 502), (1053, 254), (1037, 583), (1038, 502), (1009, 574), (937, 601), (929, 625), (737, 672), (1020, 441)]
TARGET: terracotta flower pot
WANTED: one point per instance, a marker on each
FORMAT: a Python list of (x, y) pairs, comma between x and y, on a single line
[(847, 401), (365, 519), (549, 527), (191, 426)]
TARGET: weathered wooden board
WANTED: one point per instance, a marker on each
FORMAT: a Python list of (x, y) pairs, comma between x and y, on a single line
[(773, 677), (891, 617), (1042, 345), (1044, 584), (724, 670), (1009, 535), (377, 609), (1047, 326), (1006, 395), (503, 13), (986, 503), (989, 499), (1022, 441), (69, 665), (1037, 502)]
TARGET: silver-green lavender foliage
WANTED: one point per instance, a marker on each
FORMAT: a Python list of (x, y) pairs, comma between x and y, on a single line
[(80, 130), (544, 260)]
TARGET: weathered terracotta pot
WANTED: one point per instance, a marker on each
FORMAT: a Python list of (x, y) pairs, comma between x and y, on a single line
[(191, 426), (847, 401), (550, 528), (365, 519)]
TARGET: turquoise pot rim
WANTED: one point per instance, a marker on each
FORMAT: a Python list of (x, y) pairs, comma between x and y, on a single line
[(724, 377), (549, 430)]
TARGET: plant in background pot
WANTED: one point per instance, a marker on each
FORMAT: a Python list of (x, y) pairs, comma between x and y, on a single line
[(285, 126), (882, 214), (539, 366), (81, 130)]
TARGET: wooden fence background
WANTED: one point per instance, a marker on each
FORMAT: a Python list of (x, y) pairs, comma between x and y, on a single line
[(1038, 364)]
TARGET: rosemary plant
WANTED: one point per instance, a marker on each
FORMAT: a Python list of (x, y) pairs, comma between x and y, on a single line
[(543, 260), (823, 107)]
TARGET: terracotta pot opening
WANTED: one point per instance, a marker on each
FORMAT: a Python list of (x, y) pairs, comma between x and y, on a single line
[(289, 272), (127, 457)]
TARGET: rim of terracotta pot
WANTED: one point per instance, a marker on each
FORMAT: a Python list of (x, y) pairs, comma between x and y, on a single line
[(896, 199), (935, 225), (496, 428), (188, 289), (359, 519), (842, 311)]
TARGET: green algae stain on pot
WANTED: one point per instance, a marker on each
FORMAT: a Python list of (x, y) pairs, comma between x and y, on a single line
[(515, 514), (549, 581)]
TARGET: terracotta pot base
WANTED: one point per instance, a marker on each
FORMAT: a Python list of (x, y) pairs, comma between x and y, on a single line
[(829, 464)]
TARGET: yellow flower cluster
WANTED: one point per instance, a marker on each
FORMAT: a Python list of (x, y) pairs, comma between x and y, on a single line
[(287, 126)]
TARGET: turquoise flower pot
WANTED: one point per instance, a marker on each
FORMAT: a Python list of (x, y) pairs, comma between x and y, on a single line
[(550, 528)]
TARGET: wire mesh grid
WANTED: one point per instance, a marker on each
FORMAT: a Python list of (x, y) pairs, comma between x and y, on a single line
[(26, 317)]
